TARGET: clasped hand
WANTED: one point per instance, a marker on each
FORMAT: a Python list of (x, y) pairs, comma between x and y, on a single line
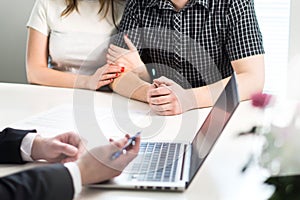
[(166, 97)]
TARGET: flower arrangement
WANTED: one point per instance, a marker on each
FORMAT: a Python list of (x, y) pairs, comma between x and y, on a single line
[(279, 154)]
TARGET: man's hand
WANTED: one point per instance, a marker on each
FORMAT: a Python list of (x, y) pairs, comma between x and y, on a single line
[(128, 57), (63, 148), (96, 165), (166, 97)]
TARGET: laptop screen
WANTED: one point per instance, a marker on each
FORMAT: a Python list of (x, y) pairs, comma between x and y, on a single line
[(213, 125)]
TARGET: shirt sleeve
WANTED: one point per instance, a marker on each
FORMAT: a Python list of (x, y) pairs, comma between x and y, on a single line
[(26, 146), (129, 25), (245, 38), (72, 167), (76, 177), (38, 17)]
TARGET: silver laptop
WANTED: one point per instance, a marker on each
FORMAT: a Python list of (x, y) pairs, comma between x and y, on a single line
[(172, 166)]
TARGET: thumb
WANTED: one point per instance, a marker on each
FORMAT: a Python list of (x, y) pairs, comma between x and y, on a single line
[(67, 149), (163, 80), (129, 43)]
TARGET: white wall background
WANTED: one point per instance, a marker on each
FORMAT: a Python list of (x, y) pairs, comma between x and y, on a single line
[(293, 76), (273, 17), (13, 18)]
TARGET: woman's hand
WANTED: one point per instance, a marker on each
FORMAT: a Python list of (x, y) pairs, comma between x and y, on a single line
[(103, 76)]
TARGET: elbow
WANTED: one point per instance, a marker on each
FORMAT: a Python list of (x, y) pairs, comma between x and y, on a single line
[(260, 84), (32, 76)]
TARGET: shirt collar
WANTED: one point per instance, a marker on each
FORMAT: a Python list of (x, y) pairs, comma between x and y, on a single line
[(164, 4)]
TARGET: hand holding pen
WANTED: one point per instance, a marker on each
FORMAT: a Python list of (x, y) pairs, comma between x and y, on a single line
[(124, 149)]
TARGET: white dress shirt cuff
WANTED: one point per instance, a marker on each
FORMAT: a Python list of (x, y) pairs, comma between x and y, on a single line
[(76, 177), (26, 146)]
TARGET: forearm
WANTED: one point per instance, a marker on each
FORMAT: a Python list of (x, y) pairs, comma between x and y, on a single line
[(206, 96), (48, 182), (248, 84), (51, 77), (10, 144), (131, 86)]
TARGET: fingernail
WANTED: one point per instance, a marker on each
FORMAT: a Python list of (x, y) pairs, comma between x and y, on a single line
[(126, 35), (122, 69), (111, 80)]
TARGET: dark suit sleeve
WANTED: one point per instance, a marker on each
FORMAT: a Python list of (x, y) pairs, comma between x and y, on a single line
[(52, 182), (10, 142)]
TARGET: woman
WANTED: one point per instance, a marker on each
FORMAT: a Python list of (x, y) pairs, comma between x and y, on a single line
[(67, 41)]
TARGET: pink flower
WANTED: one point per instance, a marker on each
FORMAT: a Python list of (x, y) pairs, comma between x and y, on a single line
[(260, 100)]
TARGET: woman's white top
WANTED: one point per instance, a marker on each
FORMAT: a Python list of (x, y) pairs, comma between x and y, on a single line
[(77, 42)]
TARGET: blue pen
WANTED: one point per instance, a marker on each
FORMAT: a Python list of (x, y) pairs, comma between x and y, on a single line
[(131, 141)]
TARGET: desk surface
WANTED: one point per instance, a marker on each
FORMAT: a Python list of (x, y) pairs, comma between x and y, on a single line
[(219, 178)]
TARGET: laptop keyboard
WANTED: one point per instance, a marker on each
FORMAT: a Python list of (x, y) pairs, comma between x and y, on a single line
[(156, 162)]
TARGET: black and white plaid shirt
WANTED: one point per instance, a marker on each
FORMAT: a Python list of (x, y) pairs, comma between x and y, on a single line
[(195, 45)]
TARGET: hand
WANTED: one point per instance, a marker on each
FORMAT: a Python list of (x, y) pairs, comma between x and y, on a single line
[(166, 97), (96, 165), (127, 57), (63, 148), (103, 76)]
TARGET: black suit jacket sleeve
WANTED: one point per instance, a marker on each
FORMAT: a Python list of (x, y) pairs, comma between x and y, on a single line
[(52, 182), (10, 142)]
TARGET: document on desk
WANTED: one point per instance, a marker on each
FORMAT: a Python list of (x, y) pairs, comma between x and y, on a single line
[(65, 118), (98, 124)]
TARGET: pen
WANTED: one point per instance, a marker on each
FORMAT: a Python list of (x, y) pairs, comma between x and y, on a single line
[(131, 141)]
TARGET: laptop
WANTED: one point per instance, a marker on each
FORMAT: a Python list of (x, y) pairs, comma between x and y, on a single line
[(172, 166)]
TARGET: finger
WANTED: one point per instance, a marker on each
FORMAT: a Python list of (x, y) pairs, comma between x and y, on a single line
[(112, 72), (115, 54), (110, 58), (149, 92), (117, 49), (162, 108), (113, 68), (67, 149), (160, 100), (129, 43), (167, 113), (69, 159), (120, 143), (163, 80), (103, 83), (69, 138), (134, 149), (109, 76), (127, 136), (160, 91)]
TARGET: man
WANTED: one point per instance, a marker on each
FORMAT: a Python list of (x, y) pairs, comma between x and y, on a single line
[(56, 181), (190, 48)]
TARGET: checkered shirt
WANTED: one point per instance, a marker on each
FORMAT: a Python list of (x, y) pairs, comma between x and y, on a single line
[(193, 46)]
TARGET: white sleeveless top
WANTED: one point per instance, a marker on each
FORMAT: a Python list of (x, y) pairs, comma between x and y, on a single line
[(77, 42)]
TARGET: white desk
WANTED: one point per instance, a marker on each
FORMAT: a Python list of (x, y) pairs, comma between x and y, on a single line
[(219, 177)]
